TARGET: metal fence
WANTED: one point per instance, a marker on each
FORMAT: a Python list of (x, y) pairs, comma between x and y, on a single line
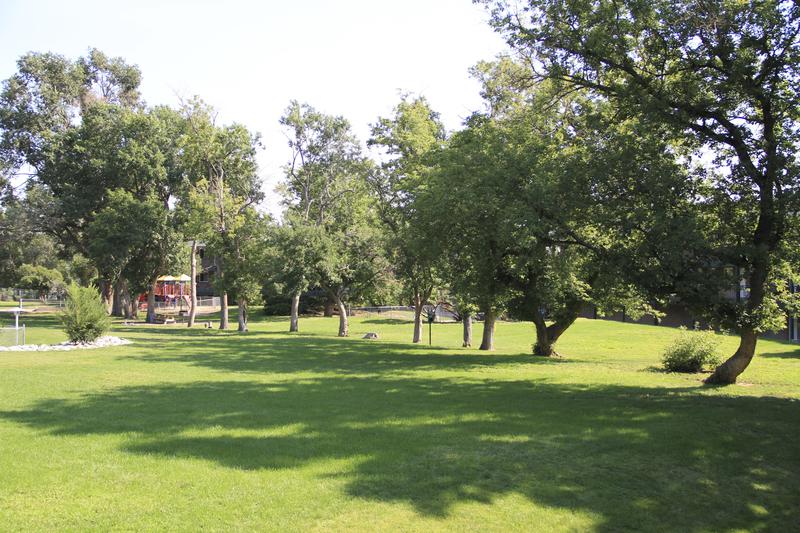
[(177, 304), (12, 336)]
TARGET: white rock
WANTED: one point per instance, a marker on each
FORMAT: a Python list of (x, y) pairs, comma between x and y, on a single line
[(101, 342)]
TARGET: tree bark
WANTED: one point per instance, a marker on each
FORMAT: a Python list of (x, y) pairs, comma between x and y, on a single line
[(418, 303), (151, 303), (242, 302), (193, 285), (546, 336), (489, 317), (765, 241), (467, 323), (132, 312), (127, 307), (223, 314), (107, 293), (343, 324), (116, 300), (294, 319)]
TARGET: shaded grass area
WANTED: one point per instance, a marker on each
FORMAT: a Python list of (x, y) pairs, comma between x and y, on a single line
[(190, 429)]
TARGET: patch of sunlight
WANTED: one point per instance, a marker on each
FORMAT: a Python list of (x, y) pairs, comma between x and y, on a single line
[(645, 503), (289, 430), (506, 438), (765, 487), (758, 510), (423, 421)]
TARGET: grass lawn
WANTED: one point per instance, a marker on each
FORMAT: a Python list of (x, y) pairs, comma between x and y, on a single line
[(201, 429)]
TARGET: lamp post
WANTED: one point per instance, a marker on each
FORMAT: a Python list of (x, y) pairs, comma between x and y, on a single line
[(430, 315)]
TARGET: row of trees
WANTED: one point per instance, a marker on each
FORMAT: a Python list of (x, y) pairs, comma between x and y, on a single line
[(116, 188), (627, 156)]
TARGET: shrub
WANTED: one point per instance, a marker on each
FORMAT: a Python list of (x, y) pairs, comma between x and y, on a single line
[(691, 351), (84, 317)]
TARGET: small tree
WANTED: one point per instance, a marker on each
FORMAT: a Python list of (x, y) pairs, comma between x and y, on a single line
[(84, 317), (41, 279)]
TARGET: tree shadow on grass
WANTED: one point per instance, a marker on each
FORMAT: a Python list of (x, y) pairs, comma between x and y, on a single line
[(793, 354), (640, 459), (267, 353), (387, 321)]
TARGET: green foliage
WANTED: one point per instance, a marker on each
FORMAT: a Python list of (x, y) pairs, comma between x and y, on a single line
[(41, 279), (84, 316), (691, 351), (333, 237)]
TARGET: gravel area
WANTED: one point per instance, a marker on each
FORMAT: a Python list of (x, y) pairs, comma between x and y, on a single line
[(101, 342)]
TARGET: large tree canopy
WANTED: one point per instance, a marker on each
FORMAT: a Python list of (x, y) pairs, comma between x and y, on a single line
[(726, 75)]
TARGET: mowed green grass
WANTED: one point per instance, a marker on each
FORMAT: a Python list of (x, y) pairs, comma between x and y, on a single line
[(201, 429)]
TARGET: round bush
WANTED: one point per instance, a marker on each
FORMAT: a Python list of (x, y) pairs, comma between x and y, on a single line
[(84, 317), (691, 351)]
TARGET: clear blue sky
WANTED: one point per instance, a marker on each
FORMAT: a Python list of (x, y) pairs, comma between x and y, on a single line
[(248, 59)]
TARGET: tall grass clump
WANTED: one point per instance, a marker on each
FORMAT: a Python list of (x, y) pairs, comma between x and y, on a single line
[(691, 351), (84, 317)]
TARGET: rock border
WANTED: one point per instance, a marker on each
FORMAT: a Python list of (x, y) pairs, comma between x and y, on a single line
[(101, 342)]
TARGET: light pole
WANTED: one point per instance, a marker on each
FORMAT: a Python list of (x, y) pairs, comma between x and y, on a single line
[(430, 315)]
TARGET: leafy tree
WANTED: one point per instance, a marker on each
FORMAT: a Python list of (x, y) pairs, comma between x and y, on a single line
[(326, 200), (722, 73), (137, 241), (220, 160), (41, 279), (409, 141)]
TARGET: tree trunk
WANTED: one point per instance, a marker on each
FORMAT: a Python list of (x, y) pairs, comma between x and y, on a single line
[(126, 300), (223, 314), (116, 300), (488, 330), (294, 320), (132, 312), (546, 336), (329, 306), (418, 302), (467, 323), (193, 285), (107, 293), (343, 325), (766, 239), (727, 372), (242, 313), (151, 303)]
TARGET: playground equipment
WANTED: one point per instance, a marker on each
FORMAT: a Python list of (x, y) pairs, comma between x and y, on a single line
[(171, 293)]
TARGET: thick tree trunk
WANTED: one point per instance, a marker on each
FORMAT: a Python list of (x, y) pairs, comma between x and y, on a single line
[(132, 312), (116, 300), (727, 372), (487, 343), (126, 301), (343, 324), (329, 307), (223, 314), (546, 336), (193, 285), (294, 317), (107, 293), (418, 303), (151, 303), (467, 323), (242, 302), (766, 239)]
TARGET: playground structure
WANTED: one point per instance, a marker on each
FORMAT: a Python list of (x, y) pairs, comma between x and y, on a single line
[(173, 296)]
